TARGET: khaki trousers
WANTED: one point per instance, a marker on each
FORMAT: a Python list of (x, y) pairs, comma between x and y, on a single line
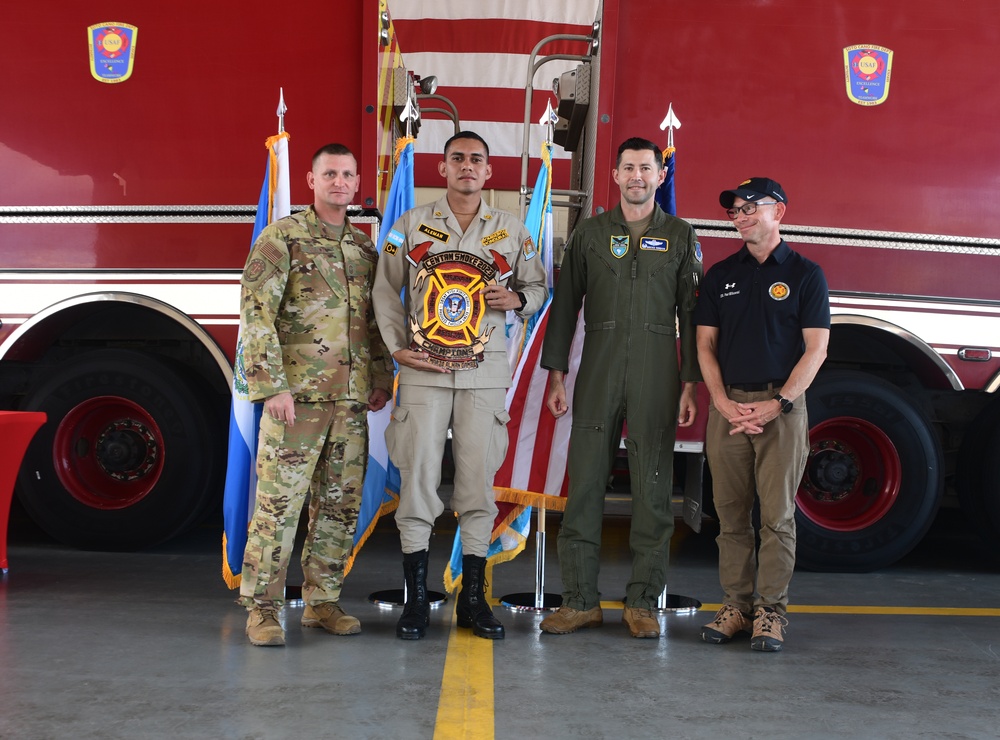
[(322, 455), (415, 439), (769, 464)]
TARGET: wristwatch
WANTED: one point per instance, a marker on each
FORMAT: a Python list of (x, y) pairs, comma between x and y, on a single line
[(520, 297), (786, 405)]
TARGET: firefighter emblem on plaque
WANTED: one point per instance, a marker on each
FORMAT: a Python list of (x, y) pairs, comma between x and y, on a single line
[(451, 287)]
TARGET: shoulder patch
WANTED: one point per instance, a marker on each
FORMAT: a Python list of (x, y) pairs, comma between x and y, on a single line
[(528, 248), (441, 236), (697, 251), (393, 241), (268, 251)]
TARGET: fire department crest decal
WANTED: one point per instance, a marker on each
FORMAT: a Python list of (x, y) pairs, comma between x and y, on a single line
[(454, 306), (112, 51), (867, 69)]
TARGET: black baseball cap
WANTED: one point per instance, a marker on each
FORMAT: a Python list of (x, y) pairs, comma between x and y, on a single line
[(753, 189)]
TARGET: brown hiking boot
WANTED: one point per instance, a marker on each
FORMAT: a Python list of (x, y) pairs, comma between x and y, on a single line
[(728, 621), (641, 622), (331, 617), (567, 620), (263, 627), (768, 628)]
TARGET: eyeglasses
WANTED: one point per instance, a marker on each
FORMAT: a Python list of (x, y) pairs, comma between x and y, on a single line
[(748, 208)]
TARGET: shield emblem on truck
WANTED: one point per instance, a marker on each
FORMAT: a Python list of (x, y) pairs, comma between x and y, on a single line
[(867, 70), (112, 51)]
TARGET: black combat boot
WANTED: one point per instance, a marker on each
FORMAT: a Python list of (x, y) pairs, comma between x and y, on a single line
[(417, 610), (472, 609)]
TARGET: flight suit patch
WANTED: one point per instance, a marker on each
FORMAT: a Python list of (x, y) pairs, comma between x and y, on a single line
[(654, 244), (619, 246)]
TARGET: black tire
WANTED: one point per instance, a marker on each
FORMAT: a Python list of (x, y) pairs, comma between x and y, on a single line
[(977, 476), (874, 479), (131, 454)]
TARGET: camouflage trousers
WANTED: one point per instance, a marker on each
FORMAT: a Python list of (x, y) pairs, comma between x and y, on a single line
[(322, 456)]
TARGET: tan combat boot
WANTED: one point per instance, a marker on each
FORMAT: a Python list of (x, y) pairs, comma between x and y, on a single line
[(263, 627), (331, 617), (567, 620)]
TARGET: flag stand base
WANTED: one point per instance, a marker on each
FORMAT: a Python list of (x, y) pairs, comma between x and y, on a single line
[(528, 602), (393, 597), (539, 601), (675, 604)]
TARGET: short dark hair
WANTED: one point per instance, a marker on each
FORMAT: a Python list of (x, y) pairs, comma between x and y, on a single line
[(637, 144), (467, 135), (333, 149)]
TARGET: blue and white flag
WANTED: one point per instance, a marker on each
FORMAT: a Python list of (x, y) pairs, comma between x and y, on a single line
[(244, 417), (380, 494), (538, 221)]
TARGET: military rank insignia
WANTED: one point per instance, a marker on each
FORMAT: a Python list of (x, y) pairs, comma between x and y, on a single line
[(619, 246), (454, 307)]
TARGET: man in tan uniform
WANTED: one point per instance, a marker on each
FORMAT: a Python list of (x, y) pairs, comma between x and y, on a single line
[(462, 265), (314, 355)]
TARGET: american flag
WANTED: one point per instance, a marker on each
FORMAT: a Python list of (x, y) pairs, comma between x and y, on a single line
[(481, 64)]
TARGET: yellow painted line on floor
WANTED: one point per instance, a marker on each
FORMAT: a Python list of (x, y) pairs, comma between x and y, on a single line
[(465, 709), (910, 611)]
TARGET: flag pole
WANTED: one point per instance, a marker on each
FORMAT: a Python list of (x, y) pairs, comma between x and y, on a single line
[(539, 600), (668, 602)]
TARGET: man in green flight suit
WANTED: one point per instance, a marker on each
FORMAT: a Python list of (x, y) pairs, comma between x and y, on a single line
[(639, 269), (314, 355)]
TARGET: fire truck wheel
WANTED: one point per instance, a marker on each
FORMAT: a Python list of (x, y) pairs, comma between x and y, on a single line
[(874, 478), (977, 475), (131, 455)]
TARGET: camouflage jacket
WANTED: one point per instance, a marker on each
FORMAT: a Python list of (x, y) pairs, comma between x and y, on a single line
[(308, 325)]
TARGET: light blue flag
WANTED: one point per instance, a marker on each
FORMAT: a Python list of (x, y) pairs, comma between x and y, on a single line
[(380, 494), (244, 418)]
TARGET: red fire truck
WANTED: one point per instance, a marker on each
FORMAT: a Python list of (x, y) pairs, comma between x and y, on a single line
[(880, 121), (131, 149)]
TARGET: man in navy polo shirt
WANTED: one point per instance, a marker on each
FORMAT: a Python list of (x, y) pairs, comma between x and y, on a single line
[(763, 321)]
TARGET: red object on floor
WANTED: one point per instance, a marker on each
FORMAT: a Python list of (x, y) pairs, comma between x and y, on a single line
[(16, 430)]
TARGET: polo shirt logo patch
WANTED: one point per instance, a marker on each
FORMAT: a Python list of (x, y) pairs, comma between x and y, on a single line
[(656, 245), (779, 291), (441, 236), (619, 246)]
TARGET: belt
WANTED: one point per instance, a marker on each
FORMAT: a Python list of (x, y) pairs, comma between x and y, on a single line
[(750, 387)]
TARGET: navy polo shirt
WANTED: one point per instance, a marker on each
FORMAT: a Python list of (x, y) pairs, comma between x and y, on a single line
[(761, 310)]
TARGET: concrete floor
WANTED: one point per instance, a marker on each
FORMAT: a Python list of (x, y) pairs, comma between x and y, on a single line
[(151, 645)]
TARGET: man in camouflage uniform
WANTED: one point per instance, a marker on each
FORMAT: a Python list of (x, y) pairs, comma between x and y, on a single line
[(314, 355), (463, 265)]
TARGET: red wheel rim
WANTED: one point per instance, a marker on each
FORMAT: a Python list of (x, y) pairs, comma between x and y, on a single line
[(852, 477), (108, 452)]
